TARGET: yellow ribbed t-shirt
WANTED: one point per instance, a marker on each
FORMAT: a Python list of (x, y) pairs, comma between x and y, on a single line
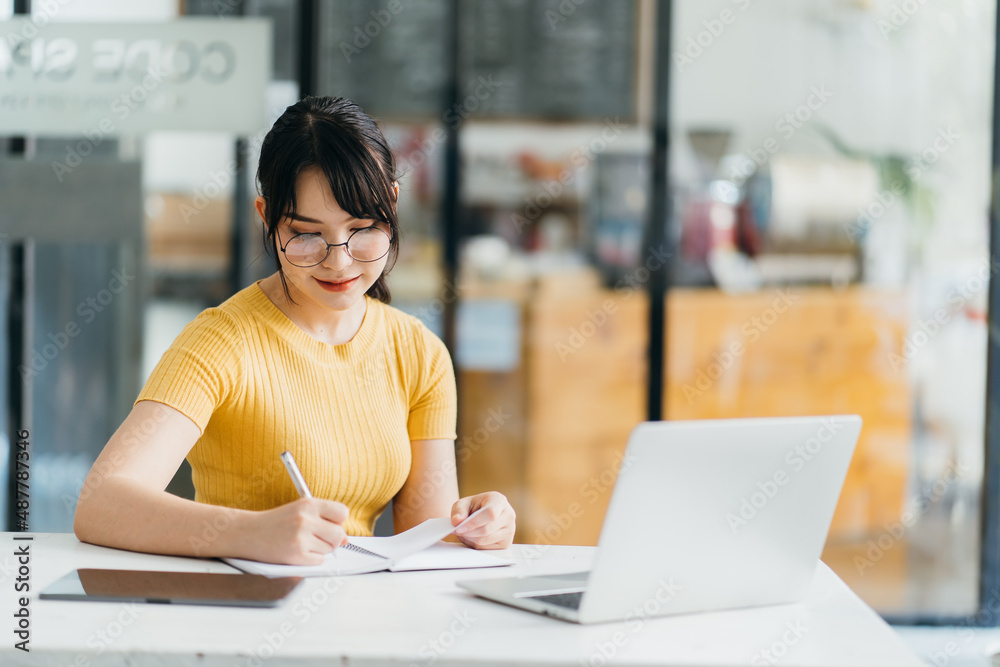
[(256, 385)]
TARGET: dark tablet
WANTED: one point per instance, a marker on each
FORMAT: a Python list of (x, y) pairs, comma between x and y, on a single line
[(239, 590)]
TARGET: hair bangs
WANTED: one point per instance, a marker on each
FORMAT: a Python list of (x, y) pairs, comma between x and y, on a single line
[(356, 179)]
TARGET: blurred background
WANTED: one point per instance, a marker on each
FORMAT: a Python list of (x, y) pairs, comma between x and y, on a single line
[(820, 244)]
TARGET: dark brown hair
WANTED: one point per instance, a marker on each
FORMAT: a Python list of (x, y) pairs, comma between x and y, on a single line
[(335, 135)]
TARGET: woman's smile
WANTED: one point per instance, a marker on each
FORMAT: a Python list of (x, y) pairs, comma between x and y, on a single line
[(337, 286)]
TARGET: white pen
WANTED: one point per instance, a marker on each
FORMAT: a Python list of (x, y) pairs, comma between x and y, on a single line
[(295, 474)]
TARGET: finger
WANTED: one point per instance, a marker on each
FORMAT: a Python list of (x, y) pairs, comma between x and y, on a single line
[(320, 548), (331, 535), (461, 510), (501, 539), (333, 511), (488, 533), (475, 532), (467, 542), (484, 533), (479, 521), (311, 551), (500, 544), (482, 516), (505, 539)]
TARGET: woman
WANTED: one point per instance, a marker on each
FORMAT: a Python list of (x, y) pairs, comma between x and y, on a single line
[(311, 359)]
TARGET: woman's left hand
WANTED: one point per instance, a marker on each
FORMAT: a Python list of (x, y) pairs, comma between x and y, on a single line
[(492, 528)]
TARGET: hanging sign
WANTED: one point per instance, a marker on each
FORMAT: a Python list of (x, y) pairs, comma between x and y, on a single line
[(108, 79)]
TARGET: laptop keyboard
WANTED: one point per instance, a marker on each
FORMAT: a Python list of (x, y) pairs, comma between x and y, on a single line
[(567, 600)]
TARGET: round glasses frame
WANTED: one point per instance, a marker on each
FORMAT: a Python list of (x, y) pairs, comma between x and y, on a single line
[(346, 244)]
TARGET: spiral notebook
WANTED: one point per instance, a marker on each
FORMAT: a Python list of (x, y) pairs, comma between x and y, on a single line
[(419, 548)]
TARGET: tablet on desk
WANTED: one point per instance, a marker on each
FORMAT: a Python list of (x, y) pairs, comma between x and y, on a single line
[(238, 590)]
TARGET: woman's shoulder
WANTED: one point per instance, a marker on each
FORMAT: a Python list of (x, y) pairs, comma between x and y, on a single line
[(422, 356), (243, 306), (239, 312), (227, 323), (406, 329)]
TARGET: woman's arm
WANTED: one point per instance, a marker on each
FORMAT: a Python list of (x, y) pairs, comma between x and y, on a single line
[(431, 490), (123, 503)]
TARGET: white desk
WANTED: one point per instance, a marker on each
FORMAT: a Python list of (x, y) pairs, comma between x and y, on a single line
[(415, 618)]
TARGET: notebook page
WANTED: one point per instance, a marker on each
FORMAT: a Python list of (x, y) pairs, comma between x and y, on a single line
[(337, 562), (394, 549), (418, 538), (444, 556), (344, 561)]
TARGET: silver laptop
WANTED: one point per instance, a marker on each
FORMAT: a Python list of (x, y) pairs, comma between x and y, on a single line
[(705, 515)]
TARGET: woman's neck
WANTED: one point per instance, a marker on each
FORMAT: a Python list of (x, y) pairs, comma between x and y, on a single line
[(333, 327)]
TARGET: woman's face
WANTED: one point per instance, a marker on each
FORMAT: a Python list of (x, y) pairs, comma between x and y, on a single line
[(338, 282)]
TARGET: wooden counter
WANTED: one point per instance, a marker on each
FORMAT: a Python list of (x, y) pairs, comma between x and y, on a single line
[(567, 409)]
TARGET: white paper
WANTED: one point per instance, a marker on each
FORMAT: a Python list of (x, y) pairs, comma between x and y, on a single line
[(337, 562), (405, 551), (397, 547), (445, 556)]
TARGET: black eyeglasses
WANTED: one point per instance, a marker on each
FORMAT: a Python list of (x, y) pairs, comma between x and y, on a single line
[(368, 244)]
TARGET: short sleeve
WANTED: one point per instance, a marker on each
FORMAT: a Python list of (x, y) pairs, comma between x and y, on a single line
[(201, 370), (433, 397)]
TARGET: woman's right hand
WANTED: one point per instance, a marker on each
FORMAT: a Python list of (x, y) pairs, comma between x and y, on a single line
[(301, 532)]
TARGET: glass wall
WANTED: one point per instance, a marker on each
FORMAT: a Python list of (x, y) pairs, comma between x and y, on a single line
[(830, 184), (831, 166)]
